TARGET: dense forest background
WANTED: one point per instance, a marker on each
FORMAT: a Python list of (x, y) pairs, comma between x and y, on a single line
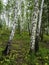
[(24, 32)]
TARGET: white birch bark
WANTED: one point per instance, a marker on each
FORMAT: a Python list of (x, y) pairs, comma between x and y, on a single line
[(7, 49), (25, 10), (34, 24), (14, 23), (7, 12), (40, 15)]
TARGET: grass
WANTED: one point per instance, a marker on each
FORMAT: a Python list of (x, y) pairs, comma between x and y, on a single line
[(46, 37), (20, 50)]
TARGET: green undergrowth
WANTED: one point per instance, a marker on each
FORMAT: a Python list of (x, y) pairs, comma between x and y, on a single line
[(46, 37), (21, 42)]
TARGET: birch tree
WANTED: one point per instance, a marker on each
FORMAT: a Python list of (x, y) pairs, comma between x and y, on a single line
[(34, 25), (7, 49), (38, 27), (8, 6), (40, 15)]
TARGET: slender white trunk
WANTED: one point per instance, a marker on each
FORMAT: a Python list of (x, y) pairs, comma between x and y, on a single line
[(8, 12), (25, 10), (40, 16), (38, 29), (8, 17), (14, 23), (7, 49), (34, 24)]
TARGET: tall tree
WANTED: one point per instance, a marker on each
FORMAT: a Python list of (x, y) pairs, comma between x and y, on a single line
[(7, 49), (40, 15), (34, 25), (38, 27), (8, 6)]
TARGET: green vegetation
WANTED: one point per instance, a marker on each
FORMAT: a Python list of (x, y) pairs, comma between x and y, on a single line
[(24, 32), (20, 50), (46, 37)]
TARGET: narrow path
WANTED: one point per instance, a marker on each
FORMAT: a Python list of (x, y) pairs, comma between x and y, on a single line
[(22, 49)]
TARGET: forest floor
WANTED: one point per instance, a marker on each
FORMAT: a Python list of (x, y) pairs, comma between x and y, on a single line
[(19, 54)]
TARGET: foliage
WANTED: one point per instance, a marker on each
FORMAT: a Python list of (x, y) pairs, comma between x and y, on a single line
[(23, 41), (20, 46), (1, 6)]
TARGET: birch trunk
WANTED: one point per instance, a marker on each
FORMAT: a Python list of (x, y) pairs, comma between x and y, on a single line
[(8, 12), (40, 15), (40, 18), (8, 47), (38, 28), (8, 17), (34, 25)]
